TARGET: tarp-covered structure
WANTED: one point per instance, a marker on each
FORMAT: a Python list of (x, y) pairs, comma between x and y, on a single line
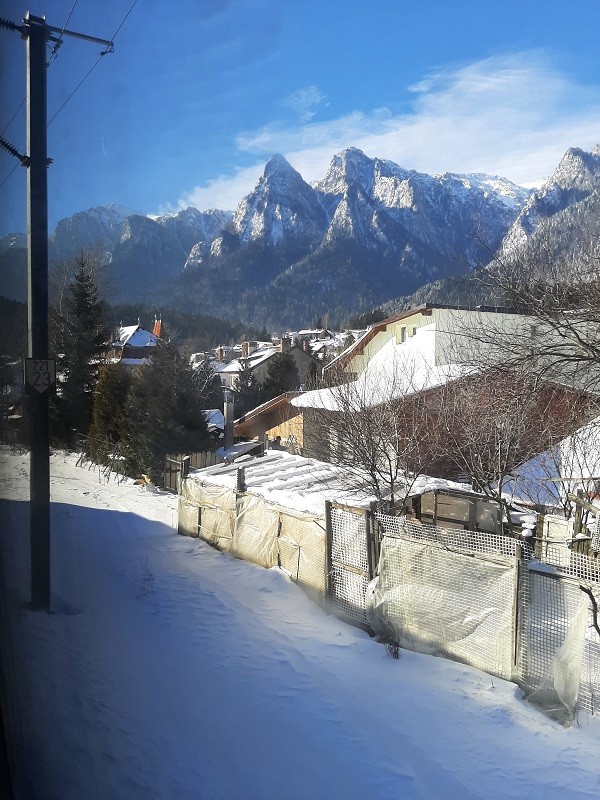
[(269, 510), (485, 600)]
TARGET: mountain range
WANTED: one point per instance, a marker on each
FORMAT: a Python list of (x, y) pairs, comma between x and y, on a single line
[(369, 233), (555, 236)]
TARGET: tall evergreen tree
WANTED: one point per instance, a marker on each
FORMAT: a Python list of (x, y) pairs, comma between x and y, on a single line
[(248, 391), (165, 412), (282, 376), (81, 344), (109, 417)]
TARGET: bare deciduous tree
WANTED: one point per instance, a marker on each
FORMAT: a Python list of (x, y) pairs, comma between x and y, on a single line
[(373, 426), (554, 284), (493, 421)]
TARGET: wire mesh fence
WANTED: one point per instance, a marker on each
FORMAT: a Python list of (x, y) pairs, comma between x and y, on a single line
[(481, 598), (349, 572), (559, 642), (438, 594), (449, 593)]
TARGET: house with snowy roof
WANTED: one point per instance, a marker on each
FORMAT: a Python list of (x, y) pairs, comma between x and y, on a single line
[(134, 345), (277, 421), (412, 352), (256, 356), (415, 360)]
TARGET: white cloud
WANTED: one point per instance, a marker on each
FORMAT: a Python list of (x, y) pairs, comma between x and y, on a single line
[(224, 192), (304, 101), (512, 115)]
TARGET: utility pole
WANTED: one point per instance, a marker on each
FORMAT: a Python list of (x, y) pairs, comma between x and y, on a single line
[(39, 370), (37, 308)]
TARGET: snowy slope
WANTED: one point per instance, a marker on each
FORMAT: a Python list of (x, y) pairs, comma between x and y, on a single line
[(575, 180), (169, 670)]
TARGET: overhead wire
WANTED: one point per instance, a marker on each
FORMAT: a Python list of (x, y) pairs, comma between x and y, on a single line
[(5, 128), (9, 174), (95, 64), (57, 44), (53, 56)]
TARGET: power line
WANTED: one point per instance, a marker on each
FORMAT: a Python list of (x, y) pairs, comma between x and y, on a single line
[(88, 73), (13, 116), (4, 23), (57, 44), (53, 56), (51, 120), (9, 174), (123, 20)]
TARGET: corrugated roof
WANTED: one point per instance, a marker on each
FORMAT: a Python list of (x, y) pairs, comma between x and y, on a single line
[(291, 481)]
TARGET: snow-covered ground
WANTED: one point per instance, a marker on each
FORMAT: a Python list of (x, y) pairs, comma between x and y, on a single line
[(169, 670)]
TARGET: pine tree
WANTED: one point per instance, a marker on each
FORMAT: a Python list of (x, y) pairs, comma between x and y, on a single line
[(165, 412), (110, 411), (282, 376), (248, 391), (81, 344)]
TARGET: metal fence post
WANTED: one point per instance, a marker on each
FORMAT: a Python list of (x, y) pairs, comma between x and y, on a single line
[(328, 544)]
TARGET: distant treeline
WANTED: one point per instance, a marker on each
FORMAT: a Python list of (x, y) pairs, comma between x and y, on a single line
[(13, 328), (189, 330), (193, 332)]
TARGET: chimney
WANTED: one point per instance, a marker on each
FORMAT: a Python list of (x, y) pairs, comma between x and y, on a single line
[(285, 344), (219, 353), (245, 349), (305, 344)]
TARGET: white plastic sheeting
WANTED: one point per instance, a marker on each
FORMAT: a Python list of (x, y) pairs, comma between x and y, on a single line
[(251, 528), (559, 644), (301, 549), (556, 621), (256, 530), (440, 601)]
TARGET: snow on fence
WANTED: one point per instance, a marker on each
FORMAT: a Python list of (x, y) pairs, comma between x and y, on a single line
[(254, 529), (479, 598), (485, 600)]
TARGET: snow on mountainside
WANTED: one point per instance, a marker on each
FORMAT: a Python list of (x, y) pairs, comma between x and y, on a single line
[(282, 206), (369, 228), (555, 234), (576, 179), (493, 186), (432, 208), (144, 253), (291, 251)]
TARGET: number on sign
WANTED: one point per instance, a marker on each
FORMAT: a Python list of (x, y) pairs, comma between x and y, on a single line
[(40, 373)]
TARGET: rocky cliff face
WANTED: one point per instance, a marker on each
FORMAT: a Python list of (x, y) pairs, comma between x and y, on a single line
[(369, 231), (570, 193), (555, 237), (143, 253)]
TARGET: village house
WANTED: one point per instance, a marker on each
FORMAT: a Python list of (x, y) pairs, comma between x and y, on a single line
[(276, 422), (133, 345), (415, 360), (257, 355)]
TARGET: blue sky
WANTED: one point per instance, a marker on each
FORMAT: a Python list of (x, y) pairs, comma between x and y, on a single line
[(200, 93)]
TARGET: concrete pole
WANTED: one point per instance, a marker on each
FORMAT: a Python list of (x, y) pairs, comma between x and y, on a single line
[(37, 303)]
